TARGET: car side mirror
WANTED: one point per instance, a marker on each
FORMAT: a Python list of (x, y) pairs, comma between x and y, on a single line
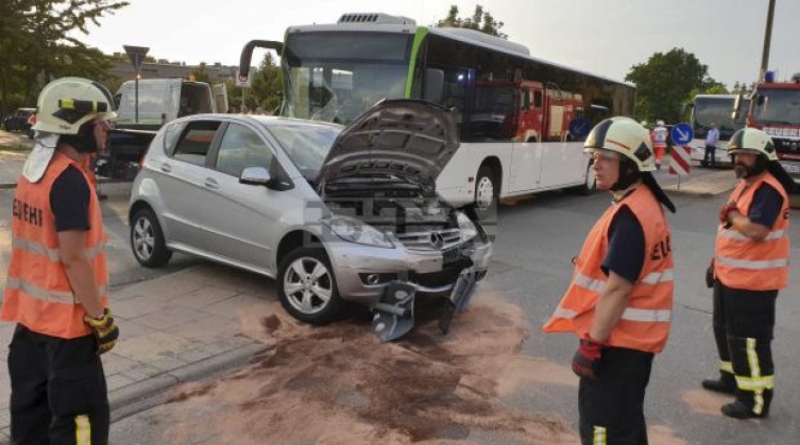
[(255, 176), (434, 85)]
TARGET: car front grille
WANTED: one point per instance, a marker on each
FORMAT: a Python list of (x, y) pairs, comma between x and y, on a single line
[(436, 240)]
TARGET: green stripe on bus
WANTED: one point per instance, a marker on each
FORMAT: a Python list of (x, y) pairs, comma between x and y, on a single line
[(422, 32)]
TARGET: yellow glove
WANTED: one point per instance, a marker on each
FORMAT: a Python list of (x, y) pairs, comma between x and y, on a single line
[(104, 330)]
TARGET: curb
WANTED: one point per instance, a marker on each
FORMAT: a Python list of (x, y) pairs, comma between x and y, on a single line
[(122, 399)]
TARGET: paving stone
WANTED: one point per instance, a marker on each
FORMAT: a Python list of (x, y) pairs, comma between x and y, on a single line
[(118, 381), (131, 329), (141, 372), (230, 308), (167, 364), (155, 346), (135, 307), (170, 316), (203, 297), (209, 329), (114, 363), (195, 355)]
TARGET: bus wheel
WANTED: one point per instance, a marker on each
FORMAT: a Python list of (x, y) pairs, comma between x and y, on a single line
[(486, 189)]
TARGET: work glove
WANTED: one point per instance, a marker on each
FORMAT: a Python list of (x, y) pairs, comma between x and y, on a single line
[(710, 275), (724, 212), (587, 358), (104, 330)]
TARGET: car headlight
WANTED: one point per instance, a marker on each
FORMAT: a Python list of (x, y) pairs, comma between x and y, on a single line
[(354, 231), (466, 227)]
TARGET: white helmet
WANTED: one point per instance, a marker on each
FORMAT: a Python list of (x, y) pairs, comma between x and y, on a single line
[(625, 136), (67, 103), (751, 140), (660, 122)]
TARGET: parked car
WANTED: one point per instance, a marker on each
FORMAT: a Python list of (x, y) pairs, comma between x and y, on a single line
[(332, 213), (19, 120)]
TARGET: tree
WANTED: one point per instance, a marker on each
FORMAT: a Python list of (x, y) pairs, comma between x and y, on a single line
[(200, 74), (267, 90), (480, 21), (37, 44), (667, 81)]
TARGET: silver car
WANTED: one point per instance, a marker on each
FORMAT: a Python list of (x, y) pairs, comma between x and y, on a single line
[(331, 213)]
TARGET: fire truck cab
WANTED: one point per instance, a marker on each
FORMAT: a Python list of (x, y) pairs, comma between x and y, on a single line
[(775, 108)]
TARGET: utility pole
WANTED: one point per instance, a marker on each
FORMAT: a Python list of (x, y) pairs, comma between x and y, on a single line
[(767, 39)]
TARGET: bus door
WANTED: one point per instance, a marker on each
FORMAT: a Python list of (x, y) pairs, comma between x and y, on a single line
[(526, 156)]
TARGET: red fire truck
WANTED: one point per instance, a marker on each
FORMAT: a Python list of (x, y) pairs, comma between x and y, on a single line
[(775, 108)]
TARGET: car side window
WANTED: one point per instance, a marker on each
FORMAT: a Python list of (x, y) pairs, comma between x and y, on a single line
[(194, 144), (171, 135), (240, 148)]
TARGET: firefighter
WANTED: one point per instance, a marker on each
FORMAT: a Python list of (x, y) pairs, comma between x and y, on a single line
[(57, 278), (619, 302), (750, 266), (659, 138)]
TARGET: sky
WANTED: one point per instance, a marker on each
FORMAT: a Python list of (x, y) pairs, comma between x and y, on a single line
[(605, 37)]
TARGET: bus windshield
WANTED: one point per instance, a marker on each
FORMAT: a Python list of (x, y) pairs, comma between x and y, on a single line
[(336, 76), (717, 111), (777, 106)]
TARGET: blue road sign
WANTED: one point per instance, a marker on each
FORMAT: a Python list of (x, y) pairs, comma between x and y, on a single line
[(580, 127), (682, 134)]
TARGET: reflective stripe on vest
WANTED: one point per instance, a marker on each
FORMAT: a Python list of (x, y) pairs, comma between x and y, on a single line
[(38, 292), (645, 323), (747, 264), (51, 254)]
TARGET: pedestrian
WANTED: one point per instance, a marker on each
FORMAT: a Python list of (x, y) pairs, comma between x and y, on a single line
[(659, 137), (750, 266), (619, 302), (57, 278), (710, 155)]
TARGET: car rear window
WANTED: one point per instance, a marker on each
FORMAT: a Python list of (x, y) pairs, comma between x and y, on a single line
[(195, 142)]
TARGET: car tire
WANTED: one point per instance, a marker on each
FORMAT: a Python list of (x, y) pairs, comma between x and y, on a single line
[(590, 183), (310, 299), (147, 240)]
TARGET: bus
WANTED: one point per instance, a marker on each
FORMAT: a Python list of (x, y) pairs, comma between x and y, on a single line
[(707, 109), (514, 111)]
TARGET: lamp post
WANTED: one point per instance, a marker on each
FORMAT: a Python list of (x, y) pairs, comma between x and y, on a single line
[(136, 54), (767, 40)]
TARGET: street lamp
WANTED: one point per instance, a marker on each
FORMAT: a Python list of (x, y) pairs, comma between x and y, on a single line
[(136, 54)]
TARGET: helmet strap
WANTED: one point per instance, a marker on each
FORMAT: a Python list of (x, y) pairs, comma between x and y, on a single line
[(629, 174)]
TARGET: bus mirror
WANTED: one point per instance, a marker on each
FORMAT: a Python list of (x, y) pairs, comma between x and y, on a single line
[(434, 85)]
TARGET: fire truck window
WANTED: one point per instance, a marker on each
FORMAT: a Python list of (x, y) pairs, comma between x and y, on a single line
[(537, 99)]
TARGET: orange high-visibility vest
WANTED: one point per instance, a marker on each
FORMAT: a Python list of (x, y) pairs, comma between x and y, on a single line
[(38, 294), (742, 263), (645, 323)]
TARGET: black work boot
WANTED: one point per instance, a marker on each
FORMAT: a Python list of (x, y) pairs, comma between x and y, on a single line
[(738, 410), (725, 384)]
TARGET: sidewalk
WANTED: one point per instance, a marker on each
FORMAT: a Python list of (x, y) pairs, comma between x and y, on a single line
[(175, 328)]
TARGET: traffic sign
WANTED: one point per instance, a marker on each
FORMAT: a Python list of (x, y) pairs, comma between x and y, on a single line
[(680, 160), (136, 54), (682, 134), (580, 127), (243, 81)]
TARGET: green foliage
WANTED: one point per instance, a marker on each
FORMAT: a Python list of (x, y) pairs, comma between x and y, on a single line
[(200, 74), (266, 89), (667, 81), (480, 21), (37, 45)]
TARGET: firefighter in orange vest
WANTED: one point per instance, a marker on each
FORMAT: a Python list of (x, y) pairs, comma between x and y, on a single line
[(57, 278), (619, 302), (659, 137), (750, 266)]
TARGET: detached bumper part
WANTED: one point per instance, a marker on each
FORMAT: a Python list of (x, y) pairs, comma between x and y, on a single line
[(459, 298), (394, 313)]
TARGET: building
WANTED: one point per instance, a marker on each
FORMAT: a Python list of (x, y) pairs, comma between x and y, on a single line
[(123, 69)]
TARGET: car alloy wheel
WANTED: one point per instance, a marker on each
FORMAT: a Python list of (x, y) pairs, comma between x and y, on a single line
[(144, 240), (307, 285)]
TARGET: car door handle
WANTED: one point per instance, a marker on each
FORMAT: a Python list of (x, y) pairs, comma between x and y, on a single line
[(166, 168), (211, 183)]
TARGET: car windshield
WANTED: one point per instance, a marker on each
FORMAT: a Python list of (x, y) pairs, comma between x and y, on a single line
[(306, 145)]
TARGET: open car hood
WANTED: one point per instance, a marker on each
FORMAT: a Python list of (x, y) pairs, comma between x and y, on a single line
[(410, 139)]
